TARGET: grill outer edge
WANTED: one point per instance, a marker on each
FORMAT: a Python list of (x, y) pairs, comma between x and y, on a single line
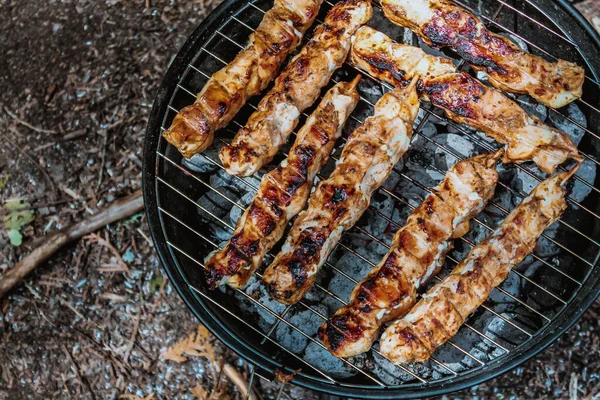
[(263, 365)]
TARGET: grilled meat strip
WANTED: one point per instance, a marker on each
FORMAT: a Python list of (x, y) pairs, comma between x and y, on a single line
[(338, 202), (283, 192), (417, 252), (295, 89), (441, 312), (227, 90), (442, 23), (464, 99)]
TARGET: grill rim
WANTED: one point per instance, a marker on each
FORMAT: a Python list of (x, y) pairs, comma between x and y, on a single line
[(264, 365)]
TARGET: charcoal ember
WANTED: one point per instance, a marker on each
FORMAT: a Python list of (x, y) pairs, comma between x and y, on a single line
[(236, 212), (307, 321), (580, 190), (570, 126), (532, 107), (257, 291), (450, 146), (214, 203), (389, 373), (326, 362), (201, 163), (242, 185)]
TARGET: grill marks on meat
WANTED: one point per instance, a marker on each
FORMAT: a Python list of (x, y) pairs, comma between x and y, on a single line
[(228, 89), (441, 312), (295, 89), (464, 99), (338, 202), (442, 23), (417, 251), (284, 191)]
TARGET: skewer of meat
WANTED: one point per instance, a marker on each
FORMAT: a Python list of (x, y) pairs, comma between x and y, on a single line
[(464, 99), (417, 252), (441, 312), (227, 90), (283, 192), (338, 202), (296, 88), (442, 23)]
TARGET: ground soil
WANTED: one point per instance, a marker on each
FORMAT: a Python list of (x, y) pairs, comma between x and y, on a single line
[(77, 80)]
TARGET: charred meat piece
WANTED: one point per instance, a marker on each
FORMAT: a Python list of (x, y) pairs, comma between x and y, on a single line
[(417, 252), (444, 24), (464, 99), (441, 312), (296, 88), (338, 202), (227, 90), (283, 192)]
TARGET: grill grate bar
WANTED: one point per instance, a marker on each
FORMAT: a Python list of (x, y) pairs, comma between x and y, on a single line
[(281, 317)]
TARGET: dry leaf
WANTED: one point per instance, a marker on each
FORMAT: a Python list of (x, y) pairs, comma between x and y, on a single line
[(197, 344), (200, 393), (134, 397), (285, 377)]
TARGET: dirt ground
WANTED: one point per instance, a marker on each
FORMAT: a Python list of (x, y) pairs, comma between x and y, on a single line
[(77, 81)]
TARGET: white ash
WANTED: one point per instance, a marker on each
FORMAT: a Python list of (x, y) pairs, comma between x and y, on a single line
[(561, 123), (392, 180), (201, 163), (532, 107), (516, 40), (340, 285), (377, 224), (321, 359), (457, 144), (306, 320), (237, 212), (420, 115), (580, 190), (481, 76), (389, 373), (428, 129)]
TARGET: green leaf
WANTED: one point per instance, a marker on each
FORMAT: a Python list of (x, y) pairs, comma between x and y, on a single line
[(132, 220), (15, 237), (18, 219), (155, 283)]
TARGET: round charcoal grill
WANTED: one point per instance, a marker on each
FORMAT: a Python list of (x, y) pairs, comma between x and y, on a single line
[(193, 206)]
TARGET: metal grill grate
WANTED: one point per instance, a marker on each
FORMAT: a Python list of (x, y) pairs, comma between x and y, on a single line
[(535, 295)]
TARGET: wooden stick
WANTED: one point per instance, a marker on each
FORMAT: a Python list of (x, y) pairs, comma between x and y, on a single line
[(237, 379), (120, 209)]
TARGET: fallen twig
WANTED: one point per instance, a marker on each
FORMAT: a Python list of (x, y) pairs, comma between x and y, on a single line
[(118, 210), (236, 378), (27, 124)]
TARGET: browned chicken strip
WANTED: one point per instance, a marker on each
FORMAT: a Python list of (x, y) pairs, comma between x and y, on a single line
[(227, 90), (441, 312), (296, 88), (442, 23), (283, 192), (417, 252), (464, 99), (338, 202)]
